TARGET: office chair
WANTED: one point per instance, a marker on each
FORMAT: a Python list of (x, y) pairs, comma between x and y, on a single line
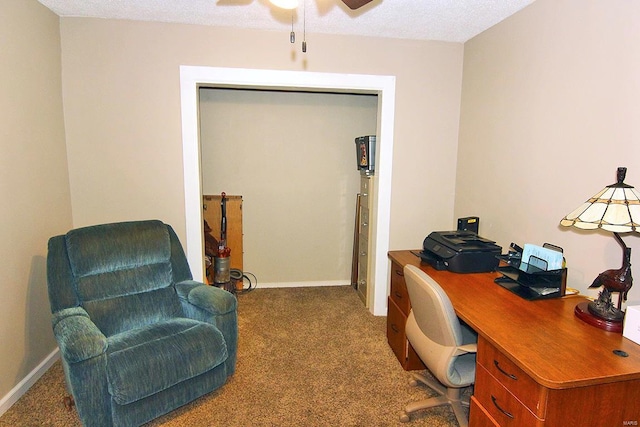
[(445, 345)]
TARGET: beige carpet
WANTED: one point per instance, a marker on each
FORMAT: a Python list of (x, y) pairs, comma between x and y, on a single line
[(307, 357)]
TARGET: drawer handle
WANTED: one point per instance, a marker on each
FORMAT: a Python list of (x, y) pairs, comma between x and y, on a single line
[(400, 273), (398, 294), (513, 377), (394, 328), (508, 414)]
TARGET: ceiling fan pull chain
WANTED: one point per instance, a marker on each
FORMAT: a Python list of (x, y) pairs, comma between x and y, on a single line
[(304, 26), (292, 36)]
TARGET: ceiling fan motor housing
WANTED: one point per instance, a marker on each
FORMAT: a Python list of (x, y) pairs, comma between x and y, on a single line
[(354, 4)]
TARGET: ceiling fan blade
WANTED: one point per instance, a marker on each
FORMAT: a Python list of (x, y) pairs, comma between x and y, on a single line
[(354, 4)]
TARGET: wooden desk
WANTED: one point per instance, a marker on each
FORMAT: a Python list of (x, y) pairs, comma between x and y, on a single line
[(536, 361)]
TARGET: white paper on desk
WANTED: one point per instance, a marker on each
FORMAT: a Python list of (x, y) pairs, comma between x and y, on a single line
[(552, 258)]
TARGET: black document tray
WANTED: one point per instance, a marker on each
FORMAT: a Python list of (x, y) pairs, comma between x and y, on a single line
[(530, 282)]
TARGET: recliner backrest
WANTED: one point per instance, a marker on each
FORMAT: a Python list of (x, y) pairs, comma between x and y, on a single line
[(122, 274)]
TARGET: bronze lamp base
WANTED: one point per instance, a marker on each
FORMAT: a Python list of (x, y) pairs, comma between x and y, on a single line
[(582, 312)]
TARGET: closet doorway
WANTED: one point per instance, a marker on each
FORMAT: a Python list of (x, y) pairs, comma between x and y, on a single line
[(292, 157), (194, 78)]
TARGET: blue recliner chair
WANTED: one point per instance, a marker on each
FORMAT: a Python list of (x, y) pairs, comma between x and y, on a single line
[(138, 337)]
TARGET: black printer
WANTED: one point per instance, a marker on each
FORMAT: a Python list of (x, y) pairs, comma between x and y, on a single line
[(460, 251)]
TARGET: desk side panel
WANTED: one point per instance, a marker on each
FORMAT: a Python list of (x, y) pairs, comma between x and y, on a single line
[(605, 405)]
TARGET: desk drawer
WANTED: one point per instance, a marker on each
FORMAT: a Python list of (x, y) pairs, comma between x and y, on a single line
[(397, 338), (500, 404), (478, 416), (514, 379), (396, 322), (399, 293)]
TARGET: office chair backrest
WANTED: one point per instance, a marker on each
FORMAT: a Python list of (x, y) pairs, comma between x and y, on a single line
[(435, 332), (432, 308)]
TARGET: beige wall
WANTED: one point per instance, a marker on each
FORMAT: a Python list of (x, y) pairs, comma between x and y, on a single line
[(550, 106), (292, 157), (122, 110), (34, 186)]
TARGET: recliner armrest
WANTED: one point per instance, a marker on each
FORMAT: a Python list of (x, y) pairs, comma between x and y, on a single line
[(213, 300), (78, 337), (215, 306)]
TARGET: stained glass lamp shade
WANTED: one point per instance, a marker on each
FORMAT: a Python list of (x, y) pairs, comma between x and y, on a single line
[(616, 208)]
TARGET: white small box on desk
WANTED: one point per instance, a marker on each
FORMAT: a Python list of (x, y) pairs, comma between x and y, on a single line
[(631, 328)]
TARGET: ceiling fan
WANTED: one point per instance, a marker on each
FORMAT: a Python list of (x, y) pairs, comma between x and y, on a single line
[(355, 4), (292, 4)]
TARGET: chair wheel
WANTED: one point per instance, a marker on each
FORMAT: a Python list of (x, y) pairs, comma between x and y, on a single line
[(404, 418), (69, 403), (413, 382)]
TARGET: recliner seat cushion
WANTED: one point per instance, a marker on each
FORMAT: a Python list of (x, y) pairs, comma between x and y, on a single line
[(145, 361), (118, 315)]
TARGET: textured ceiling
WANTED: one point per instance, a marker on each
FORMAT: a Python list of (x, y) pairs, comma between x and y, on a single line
[(445, 20)]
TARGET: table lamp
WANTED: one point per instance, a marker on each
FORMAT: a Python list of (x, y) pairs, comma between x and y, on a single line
[(616, 208)]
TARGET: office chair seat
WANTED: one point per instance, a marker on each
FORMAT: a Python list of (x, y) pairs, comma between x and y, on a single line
[(445, 345)]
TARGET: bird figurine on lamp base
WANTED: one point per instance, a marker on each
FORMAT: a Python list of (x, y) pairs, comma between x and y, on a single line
[(620, 281)]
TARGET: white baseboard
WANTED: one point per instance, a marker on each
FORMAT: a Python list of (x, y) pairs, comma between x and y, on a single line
[(19, 390), (303, 284)]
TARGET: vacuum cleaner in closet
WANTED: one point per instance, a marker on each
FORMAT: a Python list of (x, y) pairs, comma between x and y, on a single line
[(222, 259)]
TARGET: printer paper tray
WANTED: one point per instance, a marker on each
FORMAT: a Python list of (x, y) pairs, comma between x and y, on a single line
[(527, 292)]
